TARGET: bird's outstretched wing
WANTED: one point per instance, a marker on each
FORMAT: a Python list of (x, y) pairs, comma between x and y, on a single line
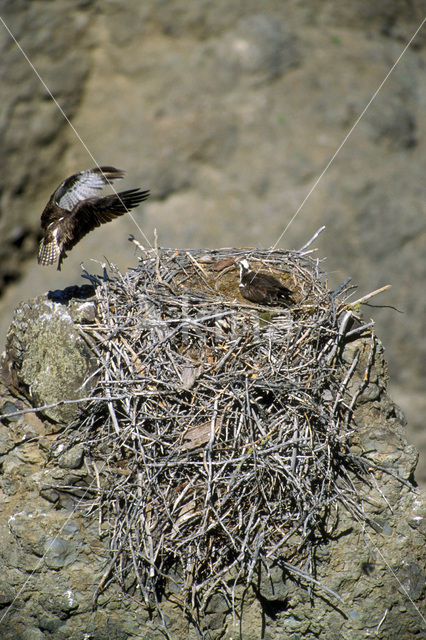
[(83, 185), (93, 212)]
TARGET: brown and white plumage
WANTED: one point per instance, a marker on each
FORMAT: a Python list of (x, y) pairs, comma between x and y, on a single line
[(74, 209), (260, 287)]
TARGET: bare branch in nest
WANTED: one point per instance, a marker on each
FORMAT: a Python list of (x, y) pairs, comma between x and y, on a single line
[(368, 296), (311, 240)]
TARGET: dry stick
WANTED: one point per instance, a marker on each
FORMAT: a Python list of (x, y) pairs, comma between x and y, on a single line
[(59, 403), (137, 243), (360, 329), (157, 265), (345, 381), (342, 329), (364, 381), (314, 237), (98, 483), (109, 402), (351, 305), (200, 268)]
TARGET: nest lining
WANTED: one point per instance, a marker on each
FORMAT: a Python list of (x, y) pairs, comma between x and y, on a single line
[(220, 429)]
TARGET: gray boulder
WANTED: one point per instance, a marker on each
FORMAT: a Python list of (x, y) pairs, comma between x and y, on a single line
[(45, 358)]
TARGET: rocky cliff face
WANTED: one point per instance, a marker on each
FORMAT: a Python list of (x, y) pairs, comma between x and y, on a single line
[(228, 114), (53, 552), (32, 126)]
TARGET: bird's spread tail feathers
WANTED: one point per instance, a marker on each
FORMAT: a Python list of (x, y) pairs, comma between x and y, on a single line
[(48, 253)]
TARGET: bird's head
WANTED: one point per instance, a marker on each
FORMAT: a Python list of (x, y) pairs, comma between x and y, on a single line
[(243, 265)]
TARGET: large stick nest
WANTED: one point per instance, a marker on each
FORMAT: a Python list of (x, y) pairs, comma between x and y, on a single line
[(219, 429)]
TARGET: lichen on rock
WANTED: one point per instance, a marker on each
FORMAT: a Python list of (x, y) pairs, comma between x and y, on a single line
[(45, 358)]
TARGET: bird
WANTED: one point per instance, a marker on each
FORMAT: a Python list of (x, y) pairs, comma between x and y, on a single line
[(74, 209), (260, 287)]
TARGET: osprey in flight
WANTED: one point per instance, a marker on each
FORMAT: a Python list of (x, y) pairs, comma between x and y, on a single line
[(261, 288), (74, 209)]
